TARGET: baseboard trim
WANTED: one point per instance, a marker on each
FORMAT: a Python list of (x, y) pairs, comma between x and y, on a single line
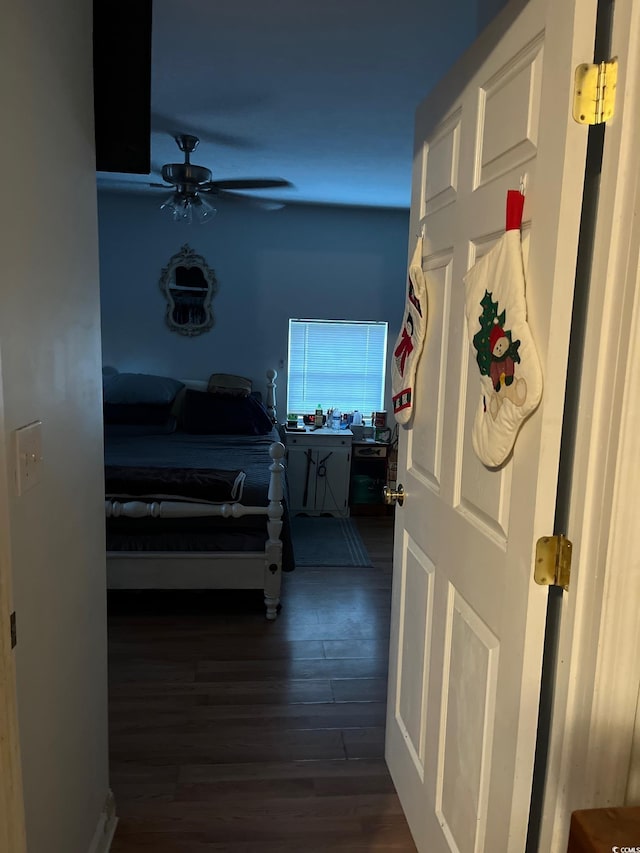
[(106, 828)]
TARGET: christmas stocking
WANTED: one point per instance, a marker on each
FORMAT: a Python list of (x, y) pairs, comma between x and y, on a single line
[(406, 352), (510, 374)]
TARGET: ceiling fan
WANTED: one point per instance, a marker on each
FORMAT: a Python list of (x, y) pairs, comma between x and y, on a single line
[(190, 186)]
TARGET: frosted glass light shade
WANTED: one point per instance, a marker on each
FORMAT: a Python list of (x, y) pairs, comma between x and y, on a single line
[(188, 208)]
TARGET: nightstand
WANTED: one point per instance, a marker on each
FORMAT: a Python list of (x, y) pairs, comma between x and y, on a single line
[(318, 470)]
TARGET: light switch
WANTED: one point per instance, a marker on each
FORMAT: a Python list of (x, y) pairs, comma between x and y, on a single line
[(28, 456)]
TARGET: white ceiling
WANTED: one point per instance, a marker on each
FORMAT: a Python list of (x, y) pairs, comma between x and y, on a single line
[(321, 93)]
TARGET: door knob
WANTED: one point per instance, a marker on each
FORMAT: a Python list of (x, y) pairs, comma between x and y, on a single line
[(392, 496)]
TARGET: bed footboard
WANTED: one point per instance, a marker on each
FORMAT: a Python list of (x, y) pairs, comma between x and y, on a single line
[(260, 570)]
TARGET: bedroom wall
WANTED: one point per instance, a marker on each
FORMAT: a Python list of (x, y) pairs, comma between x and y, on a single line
[(301, 261), (50, 340)]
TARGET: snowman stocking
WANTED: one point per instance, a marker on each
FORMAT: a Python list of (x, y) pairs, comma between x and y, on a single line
[(408, 347), (510, 374)]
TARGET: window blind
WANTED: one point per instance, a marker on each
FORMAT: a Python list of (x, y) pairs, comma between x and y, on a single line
[(336, 363)]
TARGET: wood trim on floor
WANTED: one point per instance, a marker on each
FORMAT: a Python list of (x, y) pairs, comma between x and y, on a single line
[(106, 828), (12, 825)]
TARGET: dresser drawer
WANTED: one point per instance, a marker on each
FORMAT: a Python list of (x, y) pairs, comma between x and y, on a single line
[(325, 440)]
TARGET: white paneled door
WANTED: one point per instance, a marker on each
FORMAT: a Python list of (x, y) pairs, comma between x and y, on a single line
[(468, 619)]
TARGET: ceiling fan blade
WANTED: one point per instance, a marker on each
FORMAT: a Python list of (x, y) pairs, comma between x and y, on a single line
[(249, 201), (247, 184), (166, 124)]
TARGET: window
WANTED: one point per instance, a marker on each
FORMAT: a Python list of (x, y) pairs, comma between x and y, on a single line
[(337, 363)]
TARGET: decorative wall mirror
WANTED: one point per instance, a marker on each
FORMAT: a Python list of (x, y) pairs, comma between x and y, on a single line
[(188, 285)]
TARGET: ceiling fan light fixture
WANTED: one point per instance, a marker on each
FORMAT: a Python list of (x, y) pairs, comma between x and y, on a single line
[(188, 207), (203, 210), (192, 184)]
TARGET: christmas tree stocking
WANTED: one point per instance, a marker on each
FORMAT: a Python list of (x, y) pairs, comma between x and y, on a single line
[(510, 374), (408, 347)]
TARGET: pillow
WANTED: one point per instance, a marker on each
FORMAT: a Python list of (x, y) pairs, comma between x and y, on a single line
[(136, 388), (229, 384), (121, 413), (204, 413)]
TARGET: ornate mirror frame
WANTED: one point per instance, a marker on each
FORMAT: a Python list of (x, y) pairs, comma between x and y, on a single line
[(188, 285)]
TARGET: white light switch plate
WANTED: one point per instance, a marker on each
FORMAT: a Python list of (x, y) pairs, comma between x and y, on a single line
[(28, 456)]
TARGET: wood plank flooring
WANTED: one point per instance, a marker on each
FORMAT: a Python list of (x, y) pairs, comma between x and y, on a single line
[(230, 733)]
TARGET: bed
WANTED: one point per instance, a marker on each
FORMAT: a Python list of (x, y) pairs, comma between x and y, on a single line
[(195, 486)]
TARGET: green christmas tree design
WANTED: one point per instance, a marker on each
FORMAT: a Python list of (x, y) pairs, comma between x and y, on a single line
[(488, 319)]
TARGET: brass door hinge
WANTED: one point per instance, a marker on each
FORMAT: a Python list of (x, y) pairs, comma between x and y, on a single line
[(594, 93), (553, 561)]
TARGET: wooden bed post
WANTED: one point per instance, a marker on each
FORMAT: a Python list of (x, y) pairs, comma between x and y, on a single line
[(272, 375), (273, 548)]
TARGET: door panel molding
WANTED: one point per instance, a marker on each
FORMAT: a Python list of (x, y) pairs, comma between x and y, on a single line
[(521, 80), (442, 157), (429, 404), (418, 574), (466, 724)]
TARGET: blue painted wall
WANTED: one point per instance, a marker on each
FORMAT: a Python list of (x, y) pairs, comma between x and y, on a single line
[(301, 261)]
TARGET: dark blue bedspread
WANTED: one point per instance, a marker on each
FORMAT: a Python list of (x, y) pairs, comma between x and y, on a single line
[(182, 450)]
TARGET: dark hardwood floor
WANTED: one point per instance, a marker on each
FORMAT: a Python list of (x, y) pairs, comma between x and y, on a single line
[(228, 732)]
